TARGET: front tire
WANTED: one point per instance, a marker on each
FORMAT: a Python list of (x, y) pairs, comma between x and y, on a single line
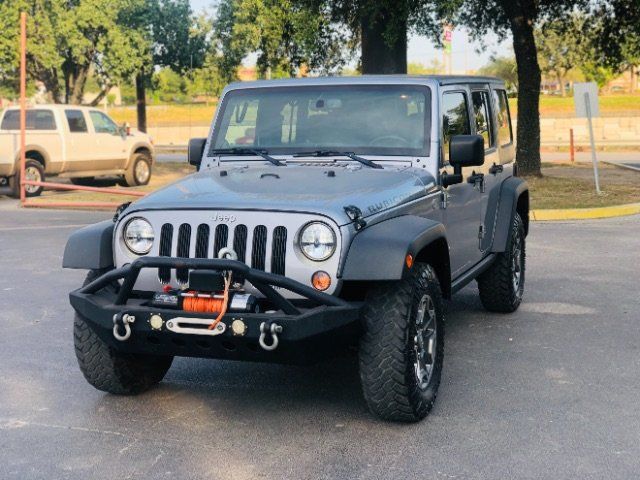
[(501, 286), (402, 349), (109, 370), (139, 172)]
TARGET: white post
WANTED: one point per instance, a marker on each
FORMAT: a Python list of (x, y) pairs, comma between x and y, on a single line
[(593, 143)]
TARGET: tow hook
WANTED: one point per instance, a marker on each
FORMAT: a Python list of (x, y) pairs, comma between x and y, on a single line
[(269, 328), (122, 321)]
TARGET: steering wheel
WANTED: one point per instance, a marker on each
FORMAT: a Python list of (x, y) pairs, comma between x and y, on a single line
[(385, 138)]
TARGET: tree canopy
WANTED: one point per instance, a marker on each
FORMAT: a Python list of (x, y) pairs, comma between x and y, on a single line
[(68, 41)]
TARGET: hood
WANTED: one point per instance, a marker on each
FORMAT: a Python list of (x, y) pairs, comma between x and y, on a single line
[(294, 188)]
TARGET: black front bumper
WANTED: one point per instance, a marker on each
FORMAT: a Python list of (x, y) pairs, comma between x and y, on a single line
[(307, 334)]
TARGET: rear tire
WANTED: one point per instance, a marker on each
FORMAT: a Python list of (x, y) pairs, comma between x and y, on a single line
[(501, 287), (139, 172), (109, 370), (402, 350)]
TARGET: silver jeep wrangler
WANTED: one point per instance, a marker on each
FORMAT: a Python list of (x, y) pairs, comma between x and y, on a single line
[(325, 212)]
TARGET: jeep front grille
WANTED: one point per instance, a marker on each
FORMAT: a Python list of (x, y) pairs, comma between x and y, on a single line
[(204, 247)]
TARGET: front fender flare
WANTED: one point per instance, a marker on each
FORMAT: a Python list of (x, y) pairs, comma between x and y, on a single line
[(379, 252), (90, 247)]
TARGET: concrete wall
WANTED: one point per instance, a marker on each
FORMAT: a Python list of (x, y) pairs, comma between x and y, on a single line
[(606, 130), (554, 131)]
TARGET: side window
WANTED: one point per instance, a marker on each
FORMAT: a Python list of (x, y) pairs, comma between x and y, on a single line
[(242, 124), (102, 123), (505, 131), (76, 121), (482, 117), (455, 118), (36, 120)]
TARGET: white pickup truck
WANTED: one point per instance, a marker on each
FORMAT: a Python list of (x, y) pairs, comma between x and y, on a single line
[(79, 143)]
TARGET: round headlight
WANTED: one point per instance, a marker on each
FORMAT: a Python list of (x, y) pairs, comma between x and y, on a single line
[(317, 241), (138, 236)]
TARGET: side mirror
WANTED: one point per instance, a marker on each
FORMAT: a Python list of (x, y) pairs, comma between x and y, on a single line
[(464, 151), (195, 151)]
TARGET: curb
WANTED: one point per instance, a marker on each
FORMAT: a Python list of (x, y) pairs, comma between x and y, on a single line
[(585, 213)]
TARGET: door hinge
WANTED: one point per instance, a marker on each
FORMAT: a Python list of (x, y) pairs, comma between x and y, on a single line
[(481, 235), (444, 199)]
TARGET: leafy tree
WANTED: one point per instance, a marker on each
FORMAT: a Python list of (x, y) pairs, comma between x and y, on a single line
[(504, 68), (519, 18), (617, 36), (288, 38), (68, 41), (176, 38), (563, 44), (381, 28)]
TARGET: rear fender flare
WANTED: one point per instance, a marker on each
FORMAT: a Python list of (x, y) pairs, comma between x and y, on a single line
[(514, 191)]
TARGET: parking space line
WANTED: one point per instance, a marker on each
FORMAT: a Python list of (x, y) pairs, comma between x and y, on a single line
[(40, 227)]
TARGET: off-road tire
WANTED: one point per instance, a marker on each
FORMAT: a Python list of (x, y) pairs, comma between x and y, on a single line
[(14, 182), (109, 370), (387, 356), (498, 292), (131, 177)]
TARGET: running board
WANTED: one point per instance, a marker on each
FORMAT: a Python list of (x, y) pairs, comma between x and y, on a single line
[(471, 274)]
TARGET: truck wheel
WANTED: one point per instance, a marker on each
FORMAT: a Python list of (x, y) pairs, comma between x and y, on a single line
[(109, 370), (502, 285), (33, 171), (139, 172), (402, 349)]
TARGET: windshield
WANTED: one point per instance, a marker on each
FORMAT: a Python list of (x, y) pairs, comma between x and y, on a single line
[(363, 119)]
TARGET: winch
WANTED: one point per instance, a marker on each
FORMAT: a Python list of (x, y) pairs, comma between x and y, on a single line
[(209, 292)]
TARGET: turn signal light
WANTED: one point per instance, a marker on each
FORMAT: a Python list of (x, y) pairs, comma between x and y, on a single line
[(409, 261), (321, 280)]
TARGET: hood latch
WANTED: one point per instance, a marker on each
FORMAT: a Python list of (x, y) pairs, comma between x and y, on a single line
[(355, 214)]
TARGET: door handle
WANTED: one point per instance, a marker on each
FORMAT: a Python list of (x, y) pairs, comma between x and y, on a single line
[(495, 169), (477, 179)]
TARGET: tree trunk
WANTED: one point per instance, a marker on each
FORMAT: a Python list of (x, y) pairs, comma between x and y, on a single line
[(103, 93), (79, 81), (529, 77), (563, 93), (378, 56), (141, 102)]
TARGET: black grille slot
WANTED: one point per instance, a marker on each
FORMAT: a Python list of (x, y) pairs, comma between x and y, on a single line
[(202, 241), (222, 234), (278, 250), (184, 242), (166, 236), (240, 242), (259, 250)]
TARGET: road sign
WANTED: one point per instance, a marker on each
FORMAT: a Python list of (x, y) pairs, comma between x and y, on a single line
[(585, 96)]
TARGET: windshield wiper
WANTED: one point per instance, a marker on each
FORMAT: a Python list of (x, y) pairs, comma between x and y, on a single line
[(332, 153), (248, 151)]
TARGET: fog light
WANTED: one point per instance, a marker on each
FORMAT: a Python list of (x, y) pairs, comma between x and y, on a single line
[(321, 280)]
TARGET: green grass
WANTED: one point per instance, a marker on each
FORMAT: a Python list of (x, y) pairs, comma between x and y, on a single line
[(552, 106)]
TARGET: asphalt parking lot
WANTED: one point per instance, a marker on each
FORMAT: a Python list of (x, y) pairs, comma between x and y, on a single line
[(548, 392)]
